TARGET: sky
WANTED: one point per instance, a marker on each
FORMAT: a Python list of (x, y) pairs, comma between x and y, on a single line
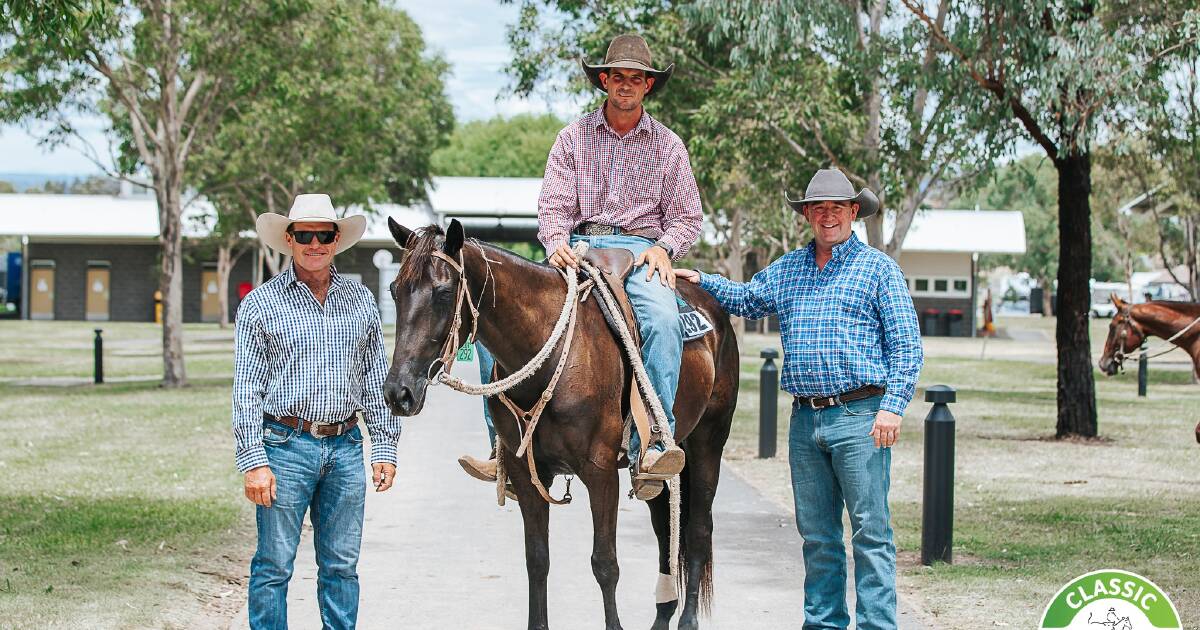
[(470, 34)]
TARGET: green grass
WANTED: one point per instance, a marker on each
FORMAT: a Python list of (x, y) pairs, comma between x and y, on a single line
[(1031, 512), (120, 505)]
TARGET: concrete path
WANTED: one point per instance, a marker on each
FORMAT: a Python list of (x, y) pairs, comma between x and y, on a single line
[(439, 553)]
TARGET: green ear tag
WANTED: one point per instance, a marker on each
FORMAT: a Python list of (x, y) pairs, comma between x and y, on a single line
[(466, 353)]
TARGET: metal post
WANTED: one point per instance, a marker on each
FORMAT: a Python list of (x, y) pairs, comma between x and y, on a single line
[(768, 404), (1143, 374), (937, 513), (99, 366)]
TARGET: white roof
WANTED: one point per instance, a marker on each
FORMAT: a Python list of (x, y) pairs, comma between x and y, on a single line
[(969, 231), (474, 200)]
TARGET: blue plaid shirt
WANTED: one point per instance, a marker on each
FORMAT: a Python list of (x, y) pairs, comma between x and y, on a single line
[(845, 326), (295, 357)]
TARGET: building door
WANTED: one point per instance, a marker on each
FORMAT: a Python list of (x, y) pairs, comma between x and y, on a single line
[(41, 289), (96, 305), (210, 297)]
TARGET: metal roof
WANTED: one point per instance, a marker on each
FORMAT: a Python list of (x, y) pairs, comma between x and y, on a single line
[(969, 231)]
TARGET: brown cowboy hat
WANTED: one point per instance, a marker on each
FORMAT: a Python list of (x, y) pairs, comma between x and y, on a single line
[(628, 51)]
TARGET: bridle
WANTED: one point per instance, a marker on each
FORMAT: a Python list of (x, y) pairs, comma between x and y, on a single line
[(445, 360), (1126, 326)]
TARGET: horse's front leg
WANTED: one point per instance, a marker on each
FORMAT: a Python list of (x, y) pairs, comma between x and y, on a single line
[(536, 514), (602, 492)]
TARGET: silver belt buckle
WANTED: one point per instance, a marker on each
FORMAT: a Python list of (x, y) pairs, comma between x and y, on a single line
[(312, 430)]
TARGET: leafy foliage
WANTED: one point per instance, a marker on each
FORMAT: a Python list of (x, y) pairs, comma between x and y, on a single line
[(500, 147)]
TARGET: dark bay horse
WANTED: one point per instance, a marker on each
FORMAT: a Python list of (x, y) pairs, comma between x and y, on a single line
[(581, 428), (1134, 322)]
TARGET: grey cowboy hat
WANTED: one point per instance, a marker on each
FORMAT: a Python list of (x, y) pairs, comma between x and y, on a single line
[(628, 51), (830, 184)]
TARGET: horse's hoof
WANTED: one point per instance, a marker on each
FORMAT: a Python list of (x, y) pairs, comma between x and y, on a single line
[(689, 623), (666, 610)]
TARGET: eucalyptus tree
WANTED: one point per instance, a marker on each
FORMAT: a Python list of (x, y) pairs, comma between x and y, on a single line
[(1059, 71), (160, 71)]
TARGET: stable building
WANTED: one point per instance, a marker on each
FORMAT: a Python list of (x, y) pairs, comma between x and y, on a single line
[(97, 257)]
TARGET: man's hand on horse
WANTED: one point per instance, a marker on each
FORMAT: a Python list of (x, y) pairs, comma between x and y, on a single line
[(657, 259), (886, 429), (564, 257), (691, 275), (260, 486), (383, 475)]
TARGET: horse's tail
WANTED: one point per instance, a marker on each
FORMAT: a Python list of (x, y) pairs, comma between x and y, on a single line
[(705, 590)]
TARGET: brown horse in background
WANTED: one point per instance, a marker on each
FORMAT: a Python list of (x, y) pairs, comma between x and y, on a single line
[(580, 431), (1133, 323)]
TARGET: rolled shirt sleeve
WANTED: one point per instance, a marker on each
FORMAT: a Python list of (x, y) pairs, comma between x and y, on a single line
[(250, 367), (902, 349), (383, 427), (558, 203), (683, 216)]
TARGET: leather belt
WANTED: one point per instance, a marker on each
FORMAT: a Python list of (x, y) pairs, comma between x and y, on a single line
[(825, 402), (587, 228), (315, 429)]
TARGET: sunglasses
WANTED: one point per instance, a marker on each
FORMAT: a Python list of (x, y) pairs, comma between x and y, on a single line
[(305, 237)]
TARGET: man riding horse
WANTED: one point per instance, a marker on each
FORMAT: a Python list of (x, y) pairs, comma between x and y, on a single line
[(619, 178)]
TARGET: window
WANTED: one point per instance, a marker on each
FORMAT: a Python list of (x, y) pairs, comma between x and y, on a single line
[(940, 287)]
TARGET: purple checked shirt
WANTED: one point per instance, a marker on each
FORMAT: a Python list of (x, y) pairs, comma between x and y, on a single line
[(640, 181)]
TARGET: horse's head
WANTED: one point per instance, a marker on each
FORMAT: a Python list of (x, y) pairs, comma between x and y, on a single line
[(1124, 336), (427, 291)]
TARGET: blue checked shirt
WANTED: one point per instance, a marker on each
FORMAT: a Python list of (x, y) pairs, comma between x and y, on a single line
[(294, 357), (845, 326)]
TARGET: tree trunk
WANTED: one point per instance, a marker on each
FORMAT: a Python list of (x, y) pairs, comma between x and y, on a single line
[(1076, 384), (224, 266), (170, 281), (1047, 296)]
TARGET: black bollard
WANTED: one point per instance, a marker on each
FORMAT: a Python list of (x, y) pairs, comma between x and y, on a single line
[(1143, 373), (768, 404), (937, 513), (98, 343)]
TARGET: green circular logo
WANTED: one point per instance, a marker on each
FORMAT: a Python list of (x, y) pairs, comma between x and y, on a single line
[(1110, 600)]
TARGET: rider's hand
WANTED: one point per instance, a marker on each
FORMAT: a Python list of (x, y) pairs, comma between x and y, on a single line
[(691, 275), (260, 486), (564, 257), (656, 259), (886, 429)]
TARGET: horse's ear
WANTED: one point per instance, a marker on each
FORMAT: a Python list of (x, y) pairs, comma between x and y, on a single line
[(400, 234), (455, 236), (1116, 300)]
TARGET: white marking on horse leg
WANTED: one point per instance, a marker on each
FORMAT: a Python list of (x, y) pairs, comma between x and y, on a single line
[(666, 590)]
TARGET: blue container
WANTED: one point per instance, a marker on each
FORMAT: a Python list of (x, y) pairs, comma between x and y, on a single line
[(12, 281)]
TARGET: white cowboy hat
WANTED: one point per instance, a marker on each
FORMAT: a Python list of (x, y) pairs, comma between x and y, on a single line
[(314, 208)]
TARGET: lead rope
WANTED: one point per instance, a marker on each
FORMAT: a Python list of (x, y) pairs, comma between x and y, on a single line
[(656, 410)]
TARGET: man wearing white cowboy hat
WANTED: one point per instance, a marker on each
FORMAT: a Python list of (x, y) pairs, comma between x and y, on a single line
[(851, 356), (619, 178), (309, 357)]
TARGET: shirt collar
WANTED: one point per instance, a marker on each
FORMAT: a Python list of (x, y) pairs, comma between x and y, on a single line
[(840, 251), (601, 122)]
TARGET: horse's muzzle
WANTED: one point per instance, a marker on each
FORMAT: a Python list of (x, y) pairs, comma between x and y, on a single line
[(402, 399), (1109, 366)]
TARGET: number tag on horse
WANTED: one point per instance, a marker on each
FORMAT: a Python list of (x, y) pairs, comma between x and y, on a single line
[(466, 353), (693, 324)]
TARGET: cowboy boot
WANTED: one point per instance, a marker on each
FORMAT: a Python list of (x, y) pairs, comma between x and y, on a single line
[(481, 470), (666, 462), (646, 489)]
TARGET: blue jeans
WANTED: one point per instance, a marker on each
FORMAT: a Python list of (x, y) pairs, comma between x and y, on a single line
[(835, 467), (658, 320), (486, 362), (326, 477)]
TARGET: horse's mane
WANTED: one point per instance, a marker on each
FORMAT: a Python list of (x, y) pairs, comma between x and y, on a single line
[(420, 254)]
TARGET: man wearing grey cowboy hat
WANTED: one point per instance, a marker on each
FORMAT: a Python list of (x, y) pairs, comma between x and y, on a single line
[(309, 358), (619, 178), (851, 356)]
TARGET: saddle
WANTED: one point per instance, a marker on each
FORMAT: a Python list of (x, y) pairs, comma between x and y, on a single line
[(615, 265)]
